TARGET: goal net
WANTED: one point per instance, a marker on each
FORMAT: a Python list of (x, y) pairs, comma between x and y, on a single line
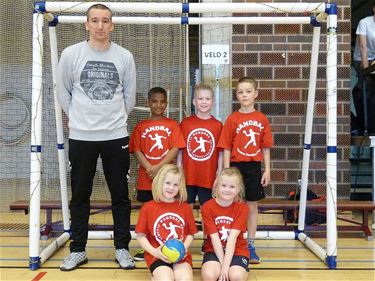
[(159, 53)]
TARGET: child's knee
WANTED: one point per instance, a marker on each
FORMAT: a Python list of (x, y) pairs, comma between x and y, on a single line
[(183, 272), (237, 275), (210, 274), (162, 273), (186, 277)]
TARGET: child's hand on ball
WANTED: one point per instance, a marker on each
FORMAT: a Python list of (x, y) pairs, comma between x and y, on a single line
[(174, 250), (159, 255)]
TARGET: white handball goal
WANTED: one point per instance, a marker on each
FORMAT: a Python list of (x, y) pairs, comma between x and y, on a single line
[(153, 61)]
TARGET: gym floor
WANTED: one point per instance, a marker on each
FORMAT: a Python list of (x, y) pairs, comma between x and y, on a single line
[(281, 259)]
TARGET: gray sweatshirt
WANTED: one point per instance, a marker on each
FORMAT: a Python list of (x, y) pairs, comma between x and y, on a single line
[(96, 89)]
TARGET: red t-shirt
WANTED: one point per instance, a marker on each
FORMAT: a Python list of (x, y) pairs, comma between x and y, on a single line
[(200, 156), (162, 221), (154, 138), (245, 134), (221, 220)]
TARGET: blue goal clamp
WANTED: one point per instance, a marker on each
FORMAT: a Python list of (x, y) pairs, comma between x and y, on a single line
[(184, 20), (40, 7), (332, 149), (331, 262), (314, 22), (34, 263), (69, 231), (36, 148), (54, 22), (307, 146), (185, 8), (331, 8), (296, 233)]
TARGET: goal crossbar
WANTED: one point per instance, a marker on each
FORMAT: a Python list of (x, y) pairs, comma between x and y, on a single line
[(195, 20), (79, 7)]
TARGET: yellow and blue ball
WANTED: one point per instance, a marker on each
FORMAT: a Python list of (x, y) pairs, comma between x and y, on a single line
[(174, 250)]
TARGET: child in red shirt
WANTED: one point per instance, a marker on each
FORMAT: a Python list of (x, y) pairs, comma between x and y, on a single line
[(226, 255), (154, 142), (246, 139), (165, 217), (201, 159)]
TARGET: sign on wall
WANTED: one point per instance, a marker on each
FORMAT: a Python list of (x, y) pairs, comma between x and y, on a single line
[(215, 54)]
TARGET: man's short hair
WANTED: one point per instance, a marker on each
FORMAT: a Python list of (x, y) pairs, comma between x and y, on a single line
[(99, 7)]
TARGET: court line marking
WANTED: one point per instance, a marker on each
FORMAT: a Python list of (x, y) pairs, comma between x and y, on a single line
[(39, 276)]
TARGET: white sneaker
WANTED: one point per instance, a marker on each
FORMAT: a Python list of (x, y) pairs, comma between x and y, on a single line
[(74, 260), (124, 259)]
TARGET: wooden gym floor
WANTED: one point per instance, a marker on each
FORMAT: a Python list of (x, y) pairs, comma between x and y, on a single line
[(281, 259)]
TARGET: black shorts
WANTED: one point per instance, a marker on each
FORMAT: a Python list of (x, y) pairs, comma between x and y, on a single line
[(158, 263), (144, 195), (236, 260), (204, 194), (252, 175)]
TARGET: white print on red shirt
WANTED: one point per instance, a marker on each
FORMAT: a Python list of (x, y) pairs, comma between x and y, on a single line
[(247, 129), (200, 144), (167, 226), (157, 134), (252, 140), (248, 123), (158, 142), (224, 224)]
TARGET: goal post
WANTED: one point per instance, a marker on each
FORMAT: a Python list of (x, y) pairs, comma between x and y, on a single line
[(323, 11)]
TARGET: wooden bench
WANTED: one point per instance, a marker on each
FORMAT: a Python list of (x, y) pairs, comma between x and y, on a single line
[(268, 205), (364, 207), (98, 206)]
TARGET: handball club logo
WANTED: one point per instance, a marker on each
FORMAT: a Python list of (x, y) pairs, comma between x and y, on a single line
[(168, 226), (224, 225), (200, 144)]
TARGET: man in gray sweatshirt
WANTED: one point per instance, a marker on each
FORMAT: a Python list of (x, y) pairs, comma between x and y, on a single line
[(96, 88)]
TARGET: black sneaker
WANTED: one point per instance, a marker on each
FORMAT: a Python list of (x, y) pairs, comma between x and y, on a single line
[(140, 255)]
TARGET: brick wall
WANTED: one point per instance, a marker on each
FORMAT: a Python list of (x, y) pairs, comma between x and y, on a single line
[(278, 56)]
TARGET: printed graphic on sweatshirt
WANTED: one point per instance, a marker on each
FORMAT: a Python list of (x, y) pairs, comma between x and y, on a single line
[(200, 144), (168, 226), (99, 80), (249, 132), (156, 141), (224, 225)]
